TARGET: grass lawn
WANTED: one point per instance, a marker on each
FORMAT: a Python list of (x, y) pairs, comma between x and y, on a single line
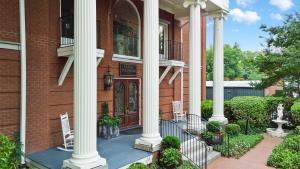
[(239, 145)]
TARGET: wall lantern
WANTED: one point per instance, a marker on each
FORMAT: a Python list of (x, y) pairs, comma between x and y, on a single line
[(108, 79)]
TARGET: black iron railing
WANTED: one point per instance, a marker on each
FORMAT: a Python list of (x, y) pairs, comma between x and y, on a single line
[(66, 24), (219, 140), (170, 50), (192, 148)]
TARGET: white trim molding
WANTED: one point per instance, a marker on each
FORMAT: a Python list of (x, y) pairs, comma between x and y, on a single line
[(10, 45)]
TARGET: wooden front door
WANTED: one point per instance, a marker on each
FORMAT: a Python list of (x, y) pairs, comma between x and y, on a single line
[(126, 101)]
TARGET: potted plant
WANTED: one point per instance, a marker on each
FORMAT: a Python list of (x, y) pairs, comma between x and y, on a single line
[(213, 134), (108, 125)]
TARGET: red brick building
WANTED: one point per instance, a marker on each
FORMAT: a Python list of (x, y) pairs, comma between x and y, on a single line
[(49, 38)]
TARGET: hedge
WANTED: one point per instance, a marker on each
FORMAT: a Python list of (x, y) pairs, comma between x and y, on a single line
[(287, 154), (295, 113), (252, 108), (206, 109)]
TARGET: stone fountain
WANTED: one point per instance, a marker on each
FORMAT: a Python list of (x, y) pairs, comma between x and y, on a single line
[(278, 132)]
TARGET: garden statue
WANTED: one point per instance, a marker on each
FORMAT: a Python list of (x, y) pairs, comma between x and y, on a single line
[(278, 132), (280, 111)]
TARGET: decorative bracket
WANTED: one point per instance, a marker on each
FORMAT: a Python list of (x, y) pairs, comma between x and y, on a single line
[(178, 70), (68, 52), (164, 74)]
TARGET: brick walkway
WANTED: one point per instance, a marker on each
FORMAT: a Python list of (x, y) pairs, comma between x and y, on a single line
[(256, 158)]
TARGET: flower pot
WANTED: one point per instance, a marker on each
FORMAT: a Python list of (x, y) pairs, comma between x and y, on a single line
[(107, 132), (217, 139), (115, 131)]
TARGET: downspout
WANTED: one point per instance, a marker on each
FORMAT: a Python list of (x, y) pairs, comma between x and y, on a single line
[(23, 79)]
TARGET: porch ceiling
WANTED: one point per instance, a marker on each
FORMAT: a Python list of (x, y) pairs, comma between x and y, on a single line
[(176, 7)]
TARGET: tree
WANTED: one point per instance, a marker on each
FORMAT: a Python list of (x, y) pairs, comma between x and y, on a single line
[(249, 70), (280, 60), (232, 62)]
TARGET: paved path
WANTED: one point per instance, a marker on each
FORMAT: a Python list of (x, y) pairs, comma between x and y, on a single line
[(256, 158)]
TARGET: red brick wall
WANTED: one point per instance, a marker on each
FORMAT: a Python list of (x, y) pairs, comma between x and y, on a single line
[(9, 69), (9, 91), (45, 99)]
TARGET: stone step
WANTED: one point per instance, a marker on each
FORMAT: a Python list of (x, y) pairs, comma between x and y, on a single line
[(194, 150), (199, 160), (192, 144)]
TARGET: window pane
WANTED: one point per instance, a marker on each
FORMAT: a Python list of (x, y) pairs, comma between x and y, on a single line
[(125, 29), (133, 98), (161, 39), (119, 98)]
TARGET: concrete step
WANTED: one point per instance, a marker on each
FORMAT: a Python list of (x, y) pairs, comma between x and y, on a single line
[(195, 150), (192, 144)]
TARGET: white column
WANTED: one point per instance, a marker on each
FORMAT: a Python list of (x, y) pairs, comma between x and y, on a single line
[(150, 139), (195, 55), (218, 71), (85, 155)]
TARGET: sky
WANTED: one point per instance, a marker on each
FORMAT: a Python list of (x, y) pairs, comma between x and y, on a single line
[(246, 16)]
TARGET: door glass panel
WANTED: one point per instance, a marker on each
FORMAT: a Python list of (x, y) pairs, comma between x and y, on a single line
[(119, 98), (133, 98)]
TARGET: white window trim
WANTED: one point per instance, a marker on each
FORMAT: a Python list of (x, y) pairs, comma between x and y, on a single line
[(123, 58), (127, 58), (9, 45)]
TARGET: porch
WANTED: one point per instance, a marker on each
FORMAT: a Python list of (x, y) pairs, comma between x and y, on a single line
[(118, 152)]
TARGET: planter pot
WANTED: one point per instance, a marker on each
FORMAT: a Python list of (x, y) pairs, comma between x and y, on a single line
[(115, 131), (215, 140), (108, 132)]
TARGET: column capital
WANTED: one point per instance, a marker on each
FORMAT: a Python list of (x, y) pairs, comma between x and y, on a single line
[(221, 14), (188, 3)]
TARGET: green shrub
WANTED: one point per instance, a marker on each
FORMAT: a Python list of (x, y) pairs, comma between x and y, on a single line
[(208, 134), (233, 129), (7, 153), (170, 158), (138, 166), (295, 113), (297, 130), (292, 142), (206, 109), (170, 142), (272, 103), (228, 111), (213, 126), (252, 108), (283, 158)]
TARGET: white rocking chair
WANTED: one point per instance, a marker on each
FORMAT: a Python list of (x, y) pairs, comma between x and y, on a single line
[(178, 112), (68, 134)]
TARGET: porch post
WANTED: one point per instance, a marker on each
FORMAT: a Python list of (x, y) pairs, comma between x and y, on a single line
[(85, 155), (195, 55), (150, 139), (218, 71)]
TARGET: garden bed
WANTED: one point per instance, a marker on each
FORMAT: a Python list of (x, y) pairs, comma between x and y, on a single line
[(238, 145)]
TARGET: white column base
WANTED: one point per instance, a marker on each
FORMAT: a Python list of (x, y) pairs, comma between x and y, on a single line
[(94, 163), (150, 144), (220, 119)]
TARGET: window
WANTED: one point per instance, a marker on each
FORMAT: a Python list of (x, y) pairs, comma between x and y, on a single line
[(126, 30), (163, 41), (67, 22)]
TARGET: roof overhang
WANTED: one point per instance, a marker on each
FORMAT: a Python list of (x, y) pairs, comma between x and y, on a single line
[(176, 7)]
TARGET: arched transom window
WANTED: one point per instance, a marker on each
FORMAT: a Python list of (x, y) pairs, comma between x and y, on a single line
[(126, 30)]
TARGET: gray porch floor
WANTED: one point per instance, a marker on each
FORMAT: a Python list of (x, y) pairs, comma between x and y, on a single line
[(117, 151)]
